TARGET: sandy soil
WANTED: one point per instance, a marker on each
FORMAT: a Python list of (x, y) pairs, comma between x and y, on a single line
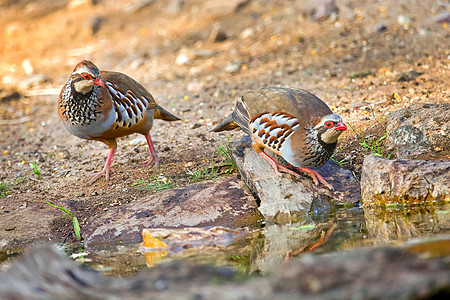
[(350, 61)]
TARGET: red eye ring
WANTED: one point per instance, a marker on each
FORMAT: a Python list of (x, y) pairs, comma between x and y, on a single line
[(86, 76), (329, 124)]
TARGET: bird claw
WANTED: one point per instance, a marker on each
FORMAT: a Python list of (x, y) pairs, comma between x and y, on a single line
[(151, 160), (98, 175), (316, 177)]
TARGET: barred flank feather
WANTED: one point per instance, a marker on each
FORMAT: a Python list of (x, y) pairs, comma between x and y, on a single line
[(241, 115)]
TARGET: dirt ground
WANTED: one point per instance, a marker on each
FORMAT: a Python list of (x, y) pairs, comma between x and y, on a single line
[(196, 59)]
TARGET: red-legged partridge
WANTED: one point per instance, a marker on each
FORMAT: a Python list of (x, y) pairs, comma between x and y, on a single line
[(290, 122), (105, 105)]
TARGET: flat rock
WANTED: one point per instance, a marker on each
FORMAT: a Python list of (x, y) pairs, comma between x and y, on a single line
[(404, 181), (380, 273), (289, 195), (32, 224), (219, 203), (420, 131)]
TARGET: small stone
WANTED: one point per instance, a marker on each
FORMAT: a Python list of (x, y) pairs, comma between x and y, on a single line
[(182, 59), (74, 4), (218, 36), (203, 53), (234, 66), (137, 141), (359, 104), (404, 20), (379, 28), (139, 5), (27, 67), (247, 32), (9, 95), (96, 23), (195, 86), (408, 76), (443, 17), (175, 7), (325, 9)]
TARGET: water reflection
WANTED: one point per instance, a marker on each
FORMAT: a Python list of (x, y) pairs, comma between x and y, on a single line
[(387, 226), (262, 251)]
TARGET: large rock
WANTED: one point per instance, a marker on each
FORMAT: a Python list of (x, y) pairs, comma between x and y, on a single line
[(221, 203), (420, 131), (380, 273), (29, 224), (289, 195), (404, 181)]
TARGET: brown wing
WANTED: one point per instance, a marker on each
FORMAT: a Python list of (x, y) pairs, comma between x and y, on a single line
[(125, 83), (298, 102)]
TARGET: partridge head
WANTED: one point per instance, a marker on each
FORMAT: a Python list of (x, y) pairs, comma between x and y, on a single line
[(290, 122), (103, 105)]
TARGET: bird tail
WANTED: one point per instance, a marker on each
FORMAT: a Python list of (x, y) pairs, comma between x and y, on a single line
[(162, 114), (227, 124), (241, 115), (239, 118)]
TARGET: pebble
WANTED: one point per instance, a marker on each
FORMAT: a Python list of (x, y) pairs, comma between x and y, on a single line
[(234, 66), (359, 104), (182, 59), (137, 141), (247, 32), (203, 53), (218, 36), (443, 17), (195, 86), (404, 21), (379, 28)]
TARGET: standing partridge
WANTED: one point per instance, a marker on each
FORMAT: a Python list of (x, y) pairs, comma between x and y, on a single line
[(104, 105), (290, 122)]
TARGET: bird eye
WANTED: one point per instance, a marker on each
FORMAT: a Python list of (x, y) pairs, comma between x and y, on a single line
[(329, 124), (86, 76)]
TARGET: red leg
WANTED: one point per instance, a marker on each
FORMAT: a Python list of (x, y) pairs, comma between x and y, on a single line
[(277, 167), (153, 156), (106, 168), (315, 176)]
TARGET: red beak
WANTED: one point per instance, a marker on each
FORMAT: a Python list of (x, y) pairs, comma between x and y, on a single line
[(341, 126), (99, 82)]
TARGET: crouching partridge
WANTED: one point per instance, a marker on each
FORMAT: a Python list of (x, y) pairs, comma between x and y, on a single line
[(290, 122), (105, 105)]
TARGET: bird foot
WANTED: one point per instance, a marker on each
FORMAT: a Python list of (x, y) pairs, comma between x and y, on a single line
[(277, 167), (100, 174), (316, 177), (152, 160)]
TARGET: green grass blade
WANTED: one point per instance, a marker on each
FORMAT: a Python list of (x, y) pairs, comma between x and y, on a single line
[(76, 228)]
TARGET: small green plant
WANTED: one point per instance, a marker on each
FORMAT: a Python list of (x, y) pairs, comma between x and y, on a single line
[(373, 145), (224, 153), (4, 189), (306, 227), (20, 180), (202, 174), (155, 184), (359, 75), (35, 170), (76, 225), (341, 162)]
